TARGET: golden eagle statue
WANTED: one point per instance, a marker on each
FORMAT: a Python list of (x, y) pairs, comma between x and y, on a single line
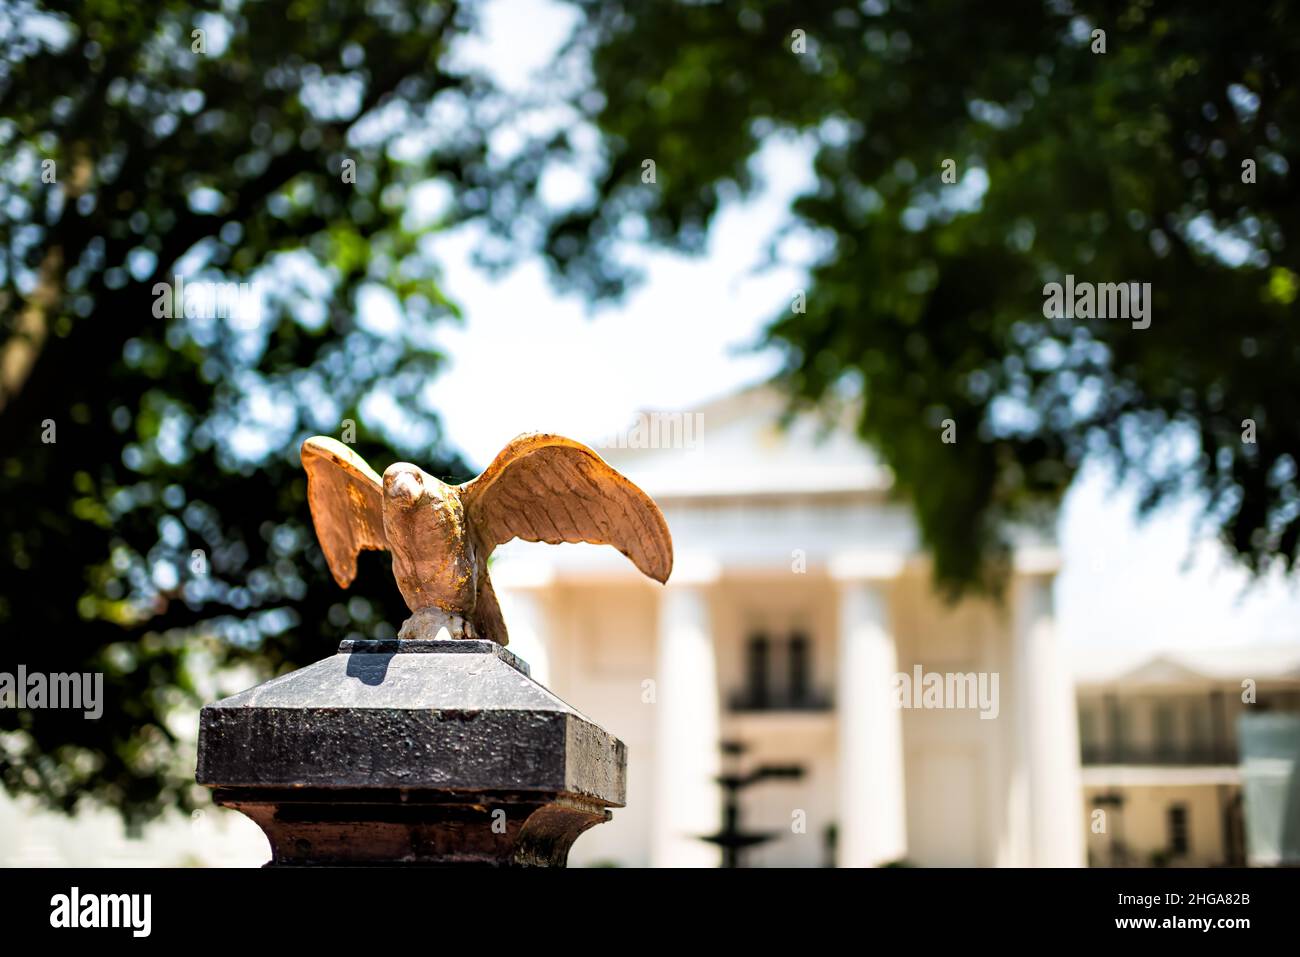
[(541, 488)]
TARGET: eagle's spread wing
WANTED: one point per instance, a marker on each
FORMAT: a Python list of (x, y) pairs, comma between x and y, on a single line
[(546, 488), (347, 504)]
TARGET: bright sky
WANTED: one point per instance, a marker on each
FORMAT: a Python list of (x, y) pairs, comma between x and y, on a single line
[(683, 338)]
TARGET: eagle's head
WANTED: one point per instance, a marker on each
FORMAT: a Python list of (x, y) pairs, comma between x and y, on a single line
[(409, 486)]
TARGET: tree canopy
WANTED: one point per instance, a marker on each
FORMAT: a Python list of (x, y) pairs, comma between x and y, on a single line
[(1161, 150)]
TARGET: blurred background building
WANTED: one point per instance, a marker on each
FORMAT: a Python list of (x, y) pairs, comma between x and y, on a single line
[(1166, 745), (798, 594)]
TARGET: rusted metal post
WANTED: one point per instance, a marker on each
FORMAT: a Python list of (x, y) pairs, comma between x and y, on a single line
[(435, 752)]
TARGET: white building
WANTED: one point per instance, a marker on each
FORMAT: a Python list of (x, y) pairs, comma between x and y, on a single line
[(798, 595), (1162, 758)]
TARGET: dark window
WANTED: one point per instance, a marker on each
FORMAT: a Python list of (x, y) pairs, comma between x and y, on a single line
[(757, 655), (800, 692), (777, 674), (1178, 843)]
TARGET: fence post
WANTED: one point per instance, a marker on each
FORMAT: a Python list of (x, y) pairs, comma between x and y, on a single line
[(436, 752)]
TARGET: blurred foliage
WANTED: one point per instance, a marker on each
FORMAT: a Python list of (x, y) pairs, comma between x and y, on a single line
[(927, 298), (163, 536)]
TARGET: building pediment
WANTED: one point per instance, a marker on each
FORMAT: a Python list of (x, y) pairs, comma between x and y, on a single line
[(1185, 667), (740, 446), (1163, 671)]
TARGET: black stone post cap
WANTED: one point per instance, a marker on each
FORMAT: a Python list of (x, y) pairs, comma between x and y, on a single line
[(423, 752)]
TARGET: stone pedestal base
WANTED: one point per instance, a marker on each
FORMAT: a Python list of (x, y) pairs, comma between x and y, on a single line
[(412, 752), (440, 828)]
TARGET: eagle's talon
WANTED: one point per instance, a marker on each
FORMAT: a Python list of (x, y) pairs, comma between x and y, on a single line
[(434, 623)]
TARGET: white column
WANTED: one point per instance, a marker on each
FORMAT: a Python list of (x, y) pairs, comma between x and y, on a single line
[(872, 788), (1047, 722), (687, 800), (523, 588), (527, 620)]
